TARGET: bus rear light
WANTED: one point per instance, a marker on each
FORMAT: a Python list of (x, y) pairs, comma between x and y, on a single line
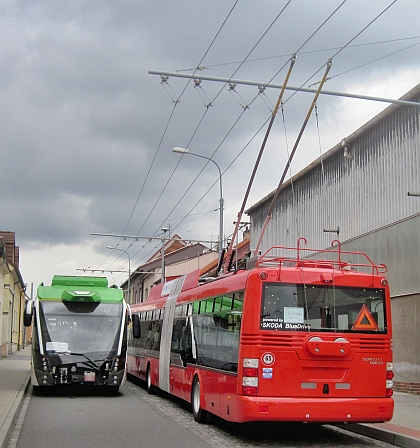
[(249, 385), (250, 381), (249, 390), (263, 275), (250, 376), (384, 282), (251, 362), (250, 371), (389, 377)]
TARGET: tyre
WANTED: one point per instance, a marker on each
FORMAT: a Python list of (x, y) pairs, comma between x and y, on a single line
[(149, 386), (200, 415)]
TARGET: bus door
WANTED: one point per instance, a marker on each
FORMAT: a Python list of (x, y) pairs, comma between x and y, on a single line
[(165, 344), (216, 326)]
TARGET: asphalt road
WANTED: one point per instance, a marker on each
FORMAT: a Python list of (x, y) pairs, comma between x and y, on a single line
[(135, 419)]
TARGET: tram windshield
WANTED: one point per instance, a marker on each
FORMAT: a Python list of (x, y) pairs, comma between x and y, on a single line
[(87, 328), (322, 308)]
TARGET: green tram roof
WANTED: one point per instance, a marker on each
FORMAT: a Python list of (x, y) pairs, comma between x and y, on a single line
[(80, 289)]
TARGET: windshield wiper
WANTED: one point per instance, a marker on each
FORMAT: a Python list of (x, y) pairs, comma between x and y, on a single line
[(67, 353)]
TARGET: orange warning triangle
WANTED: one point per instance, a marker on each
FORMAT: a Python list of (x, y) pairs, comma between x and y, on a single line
[(365, 320)]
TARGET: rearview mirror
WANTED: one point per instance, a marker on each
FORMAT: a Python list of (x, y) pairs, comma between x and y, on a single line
[(27, 314), (136, 326)]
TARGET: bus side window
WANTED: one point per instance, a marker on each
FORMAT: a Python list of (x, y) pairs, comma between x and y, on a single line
[(186, 344), (144, 331), (176, 335), (136, 326)]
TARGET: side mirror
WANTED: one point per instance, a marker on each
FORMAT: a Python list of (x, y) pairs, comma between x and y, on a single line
[(136, 326), (27, 314)]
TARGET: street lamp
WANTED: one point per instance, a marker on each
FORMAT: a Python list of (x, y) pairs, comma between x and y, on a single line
[(163, 276), (129, 270), (221, 200)]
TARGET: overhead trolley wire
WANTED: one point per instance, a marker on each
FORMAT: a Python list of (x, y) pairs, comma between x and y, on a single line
[(267, 30), (374, 60), (256, 44), (185, 87), (305, 42), (273, 116), (329, 63), (166, 128), (201, 68), (201, 120), (340, 49)]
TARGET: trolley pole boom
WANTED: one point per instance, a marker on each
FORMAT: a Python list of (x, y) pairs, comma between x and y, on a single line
[(277, 86), (305, 122), (257, 162)]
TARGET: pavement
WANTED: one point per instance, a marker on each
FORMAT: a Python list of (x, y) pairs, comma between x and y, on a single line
[(403, 430)]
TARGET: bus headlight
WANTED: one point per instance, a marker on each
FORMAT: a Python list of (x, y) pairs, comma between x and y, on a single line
[(115, 364), (45, 365)]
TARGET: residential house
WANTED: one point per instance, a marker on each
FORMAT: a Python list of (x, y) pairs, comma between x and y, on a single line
[(12, 296)]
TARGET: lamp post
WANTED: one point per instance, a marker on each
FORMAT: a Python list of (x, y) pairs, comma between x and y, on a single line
[(221, 200), (163, 277), (129, 270)]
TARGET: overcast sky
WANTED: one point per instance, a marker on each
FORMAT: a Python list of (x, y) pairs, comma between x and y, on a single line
[(87, 134)]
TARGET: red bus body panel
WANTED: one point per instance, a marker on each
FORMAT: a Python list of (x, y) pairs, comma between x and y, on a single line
[(336, 377)]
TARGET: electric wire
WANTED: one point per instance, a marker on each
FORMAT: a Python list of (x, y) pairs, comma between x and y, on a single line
[(340, 49), (268, 131), (374, 60), (202, 118), (304, 43), (167, 125), (211, 67)]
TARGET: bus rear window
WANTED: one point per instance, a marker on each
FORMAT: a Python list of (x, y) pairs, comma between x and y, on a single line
[(322, 308)]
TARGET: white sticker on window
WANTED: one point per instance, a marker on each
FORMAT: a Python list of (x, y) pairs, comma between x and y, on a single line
[(293, 315), (57, 346)]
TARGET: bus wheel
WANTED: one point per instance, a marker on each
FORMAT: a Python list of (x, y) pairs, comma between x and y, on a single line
[(200, 415), (149, 386)]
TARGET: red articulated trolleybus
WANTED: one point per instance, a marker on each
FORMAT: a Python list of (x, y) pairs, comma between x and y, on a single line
[(292, 338)]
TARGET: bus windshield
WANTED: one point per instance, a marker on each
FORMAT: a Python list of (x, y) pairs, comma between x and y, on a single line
[(322, 308), (88, 328)]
